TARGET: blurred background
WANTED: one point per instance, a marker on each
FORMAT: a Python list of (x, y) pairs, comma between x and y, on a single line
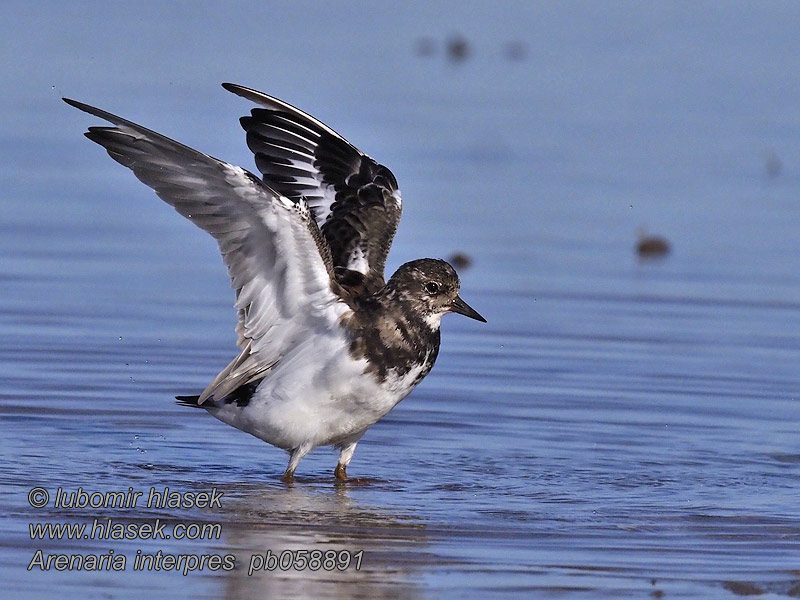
[(619, 183)]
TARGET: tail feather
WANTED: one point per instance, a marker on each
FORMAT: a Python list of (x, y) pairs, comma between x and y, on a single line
[(190, 401), (241, 396)]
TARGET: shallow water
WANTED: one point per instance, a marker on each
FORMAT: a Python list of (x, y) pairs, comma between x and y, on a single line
[(619, 428)]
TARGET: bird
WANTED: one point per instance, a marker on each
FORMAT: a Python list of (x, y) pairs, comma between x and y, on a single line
[(327, 345)]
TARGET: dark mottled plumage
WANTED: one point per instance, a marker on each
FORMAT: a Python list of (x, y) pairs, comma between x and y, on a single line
[(355, 200), (396, 328)]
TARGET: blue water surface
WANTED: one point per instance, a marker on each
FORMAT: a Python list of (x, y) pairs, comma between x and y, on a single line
[(619, 428)]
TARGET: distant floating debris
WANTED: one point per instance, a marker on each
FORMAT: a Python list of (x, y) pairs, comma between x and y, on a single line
[(460, 260), (651, 246), (458, 49), (425, 47), (515, 50), (773, 165)]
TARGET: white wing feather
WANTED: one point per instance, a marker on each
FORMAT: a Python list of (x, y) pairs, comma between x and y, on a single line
[(278, 262)]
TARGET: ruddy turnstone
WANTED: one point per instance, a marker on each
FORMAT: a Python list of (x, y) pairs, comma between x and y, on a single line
[(327, 346)]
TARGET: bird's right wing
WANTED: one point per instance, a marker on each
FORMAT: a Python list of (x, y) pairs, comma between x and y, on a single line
[(355, 200), (279, 263)]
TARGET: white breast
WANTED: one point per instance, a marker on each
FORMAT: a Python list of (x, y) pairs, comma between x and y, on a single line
[(320, 395)]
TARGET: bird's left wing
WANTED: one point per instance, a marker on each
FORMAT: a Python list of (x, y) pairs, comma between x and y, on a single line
[(278, 261)]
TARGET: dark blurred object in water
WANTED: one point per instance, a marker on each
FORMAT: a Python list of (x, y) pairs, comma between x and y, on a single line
[(516, 50), (772, 165), (425, 46), (460, 260), (651, 246), (743, 588), (458, 49)]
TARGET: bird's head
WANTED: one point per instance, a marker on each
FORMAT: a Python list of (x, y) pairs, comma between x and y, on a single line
[(430, 286)]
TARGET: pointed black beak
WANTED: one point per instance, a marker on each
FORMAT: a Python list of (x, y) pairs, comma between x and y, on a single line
[(462, 308)]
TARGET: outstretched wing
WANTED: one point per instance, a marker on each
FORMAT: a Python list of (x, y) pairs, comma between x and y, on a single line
[(354, 199), (280, 266)]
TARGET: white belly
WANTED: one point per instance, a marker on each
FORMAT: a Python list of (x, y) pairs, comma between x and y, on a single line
[(318, 395)]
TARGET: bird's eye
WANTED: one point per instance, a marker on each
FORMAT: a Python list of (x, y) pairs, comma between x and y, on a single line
[(432, 287)]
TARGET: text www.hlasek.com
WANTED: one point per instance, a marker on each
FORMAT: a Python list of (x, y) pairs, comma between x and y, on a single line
[(108, 529)]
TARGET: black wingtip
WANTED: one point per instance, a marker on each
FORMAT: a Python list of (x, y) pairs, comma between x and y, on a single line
[(247, 93), (87, 108), (74, 103), (96, 112), (240, 90)]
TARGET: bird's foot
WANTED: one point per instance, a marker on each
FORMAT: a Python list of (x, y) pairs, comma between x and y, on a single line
[(288, 477), (340, 472)]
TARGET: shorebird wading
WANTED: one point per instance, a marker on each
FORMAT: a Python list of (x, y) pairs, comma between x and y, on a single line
[(327, 346)]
